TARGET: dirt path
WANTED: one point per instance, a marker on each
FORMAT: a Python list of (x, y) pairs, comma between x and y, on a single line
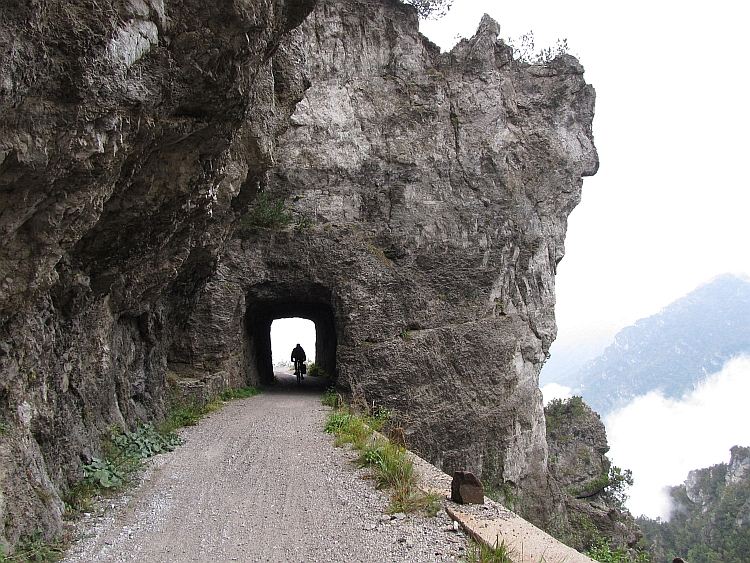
[(259, 481)]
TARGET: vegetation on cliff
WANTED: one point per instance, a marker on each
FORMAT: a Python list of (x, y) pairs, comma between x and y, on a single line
[(588, 489), (710, 521), (431, 8)]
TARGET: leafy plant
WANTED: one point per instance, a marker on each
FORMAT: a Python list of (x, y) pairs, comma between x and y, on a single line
[(145, 442), (102, 473), (124, 453)]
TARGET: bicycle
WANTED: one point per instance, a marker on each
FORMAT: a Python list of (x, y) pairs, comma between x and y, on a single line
[(299, 370)]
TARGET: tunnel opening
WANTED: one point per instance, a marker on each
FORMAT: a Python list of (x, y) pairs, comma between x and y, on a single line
[(261, 313), (285, 335)]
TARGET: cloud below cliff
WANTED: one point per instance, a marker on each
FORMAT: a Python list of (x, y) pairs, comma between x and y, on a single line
[(662, 439), (555, 391)]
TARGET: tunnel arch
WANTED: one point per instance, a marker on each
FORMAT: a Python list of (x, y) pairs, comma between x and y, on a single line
[(261, 312)]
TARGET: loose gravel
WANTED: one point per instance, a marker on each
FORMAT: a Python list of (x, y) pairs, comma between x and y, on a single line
[(258, 480)]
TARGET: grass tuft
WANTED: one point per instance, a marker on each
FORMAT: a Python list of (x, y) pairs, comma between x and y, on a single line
[(391, 465), (35, 548), (481, 553), (241, 393)]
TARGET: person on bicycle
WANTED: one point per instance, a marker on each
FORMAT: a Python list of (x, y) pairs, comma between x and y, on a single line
[(298, 357)]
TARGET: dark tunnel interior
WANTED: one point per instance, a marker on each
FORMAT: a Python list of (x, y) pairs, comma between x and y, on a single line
[(260, 316)]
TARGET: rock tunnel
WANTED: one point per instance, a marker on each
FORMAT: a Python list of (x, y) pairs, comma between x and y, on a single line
[(260, 315)]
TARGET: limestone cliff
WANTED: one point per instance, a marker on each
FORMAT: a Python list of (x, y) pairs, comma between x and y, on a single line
[(132, 132), (430, 194)]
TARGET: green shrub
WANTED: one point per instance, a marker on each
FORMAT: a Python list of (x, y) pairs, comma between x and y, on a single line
[(603, 553), (265, 214), (331, 398), (314, 370), (241, 393)]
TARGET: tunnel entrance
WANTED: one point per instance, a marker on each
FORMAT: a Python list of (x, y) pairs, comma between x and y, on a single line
[(260, 316)]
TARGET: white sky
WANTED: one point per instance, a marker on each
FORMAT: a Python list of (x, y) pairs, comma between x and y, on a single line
[(286, 334), (667, 210)]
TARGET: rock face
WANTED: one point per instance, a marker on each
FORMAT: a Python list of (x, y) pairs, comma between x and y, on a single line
[(584, 507), (132, 132), (429, 196)]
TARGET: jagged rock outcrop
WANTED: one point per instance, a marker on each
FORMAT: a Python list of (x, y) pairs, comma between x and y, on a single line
[(585, 496), (430, 195), (710, 518), (132, 133)]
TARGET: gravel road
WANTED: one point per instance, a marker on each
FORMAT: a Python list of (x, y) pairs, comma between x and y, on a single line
[(258, 480)]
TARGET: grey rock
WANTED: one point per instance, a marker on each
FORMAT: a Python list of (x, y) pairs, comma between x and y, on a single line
[(125, 147), (580, 508), (430, 193), (466, 488)]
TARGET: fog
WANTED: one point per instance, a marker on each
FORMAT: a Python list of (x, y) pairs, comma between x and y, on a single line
[(662, 439), (555, 391)]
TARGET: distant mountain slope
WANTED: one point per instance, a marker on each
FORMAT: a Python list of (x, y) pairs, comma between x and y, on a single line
[(711, 518), (673, 350), (567, 358)]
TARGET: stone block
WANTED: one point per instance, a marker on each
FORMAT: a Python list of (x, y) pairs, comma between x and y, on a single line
[(466, 488)]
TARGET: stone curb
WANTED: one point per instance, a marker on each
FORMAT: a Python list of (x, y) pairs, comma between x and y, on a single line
[(492, 524)]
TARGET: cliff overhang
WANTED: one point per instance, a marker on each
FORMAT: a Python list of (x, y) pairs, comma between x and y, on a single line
[(429, 193)]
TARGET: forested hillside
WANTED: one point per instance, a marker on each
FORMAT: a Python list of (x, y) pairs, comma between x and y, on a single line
[(673, 350), (711, 518)]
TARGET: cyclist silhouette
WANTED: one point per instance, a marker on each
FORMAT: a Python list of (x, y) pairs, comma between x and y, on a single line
[(299, 357)]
